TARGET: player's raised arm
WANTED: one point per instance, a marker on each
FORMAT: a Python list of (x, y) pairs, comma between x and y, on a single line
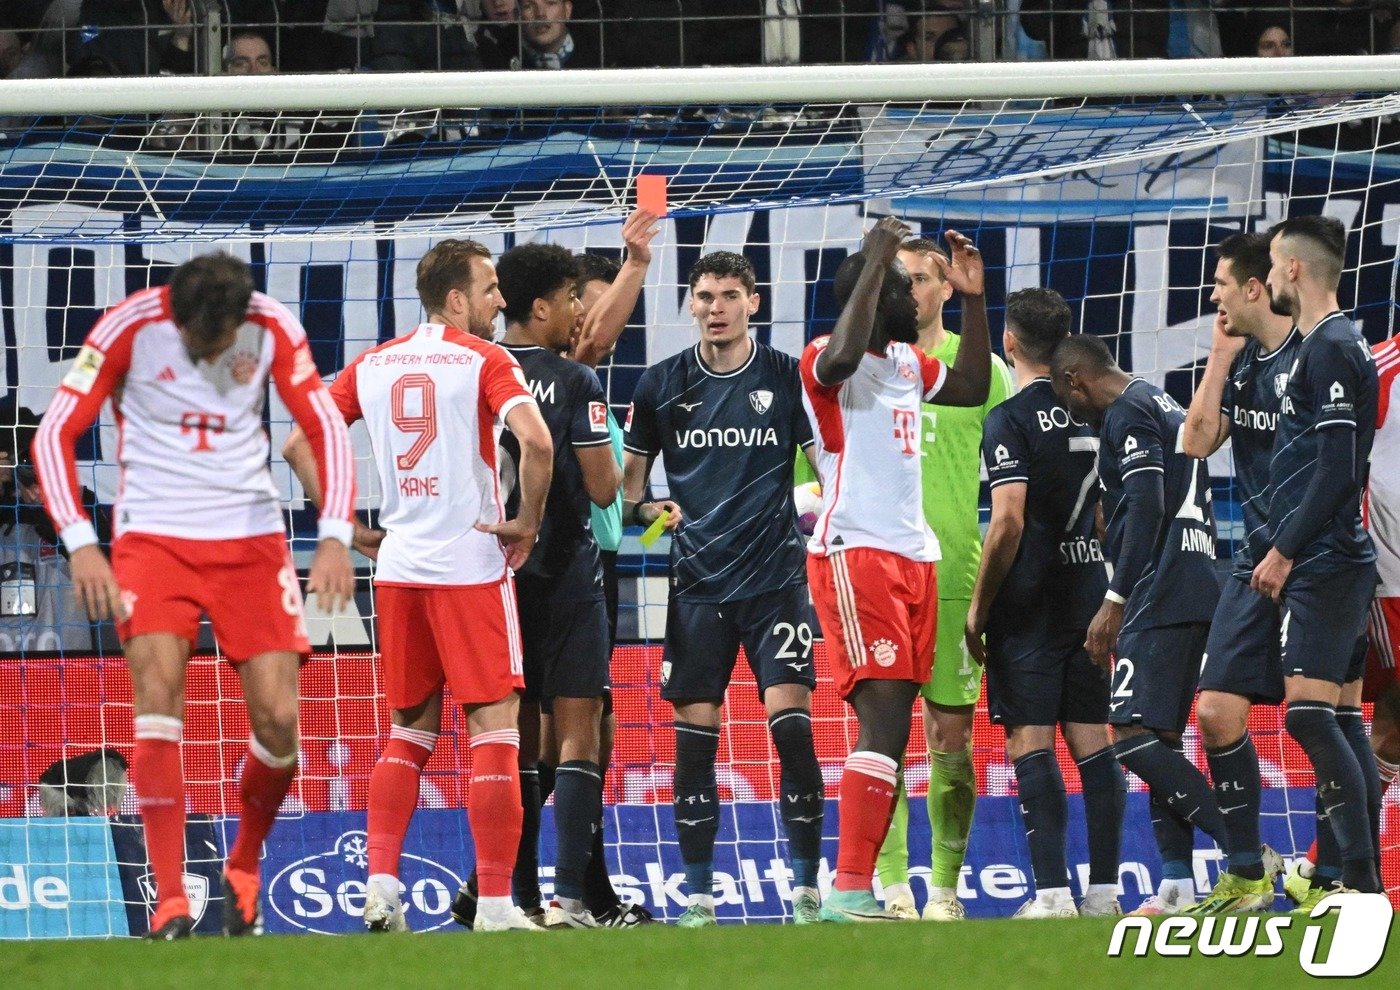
[(607, 318), (1207, 426), (850, 338), (99, 368), (970, 376)]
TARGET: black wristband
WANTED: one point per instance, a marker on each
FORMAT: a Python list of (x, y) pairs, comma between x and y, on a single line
[(637, 519)]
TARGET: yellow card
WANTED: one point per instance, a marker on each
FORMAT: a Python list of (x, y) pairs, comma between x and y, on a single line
[(653, 532)]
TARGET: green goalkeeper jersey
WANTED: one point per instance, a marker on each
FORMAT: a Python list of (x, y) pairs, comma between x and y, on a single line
[(952, 470)]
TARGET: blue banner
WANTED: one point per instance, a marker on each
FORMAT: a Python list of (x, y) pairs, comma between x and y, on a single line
[(59, 879)]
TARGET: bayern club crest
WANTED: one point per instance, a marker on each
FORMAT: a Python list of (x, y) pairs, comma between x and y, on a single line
[(760, 399)]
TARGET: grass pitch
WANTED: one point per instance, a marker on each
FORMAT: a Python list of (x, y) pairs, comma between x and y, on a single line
[(1002, 955)]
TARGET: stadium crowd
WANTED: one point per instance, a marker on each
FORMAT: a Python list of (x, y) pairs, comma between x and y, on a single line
[(48, 38)]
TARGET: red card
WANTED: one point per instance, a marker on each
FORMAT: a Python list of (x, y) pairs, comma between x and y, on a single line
[(651, 194)]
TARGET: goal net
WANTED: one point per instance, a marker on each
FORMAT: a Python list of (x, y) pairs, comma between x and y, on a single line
[(1080, 177)]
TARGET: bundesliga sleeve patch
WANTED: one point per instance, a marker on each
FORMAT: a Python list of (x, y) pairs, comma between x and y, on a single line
[(83, 375), (598, 417), (628, 425)]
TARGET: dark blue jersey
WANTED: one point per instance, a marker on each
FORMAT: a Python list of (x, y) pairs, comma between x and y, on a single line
[(1141, 432), (1332, 386), (1057, 580), (1251, 402), (572, 403), (727, 442)]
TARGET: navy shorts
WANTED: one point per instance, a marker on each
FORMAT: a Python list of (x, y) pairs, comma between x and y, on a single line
[(1154, 676), (1242, 651), (1323, 616), (776, 630), (566, 644), (1035, 682)]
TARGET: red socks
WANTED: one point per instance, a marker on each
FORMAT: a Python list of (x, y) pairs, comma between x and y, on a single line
[(493, 808), (393, 795), (160, 794), (264, 784), (867, 803)]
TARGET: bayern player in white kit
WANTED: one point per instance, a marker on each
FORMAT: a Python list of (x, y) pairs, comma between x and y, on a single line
[(186, 368), (1380, 510), (871, 558), (433, 401)]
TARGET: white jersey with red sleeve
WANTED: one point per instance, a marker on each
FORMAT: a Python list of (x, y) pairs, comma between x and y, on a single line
[(432, 401), (1381, 509), (868, 453), (190, 440)]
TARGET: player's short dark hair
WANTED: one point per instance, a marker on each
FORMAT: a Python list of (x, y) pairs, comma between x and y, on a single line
[(849, 273), (924, 245), (1085, 351), (597, 268), (447, 266), (724, 264), (209, 294), (1040, 318), (1324, 233), (533, 271), (1248, 255)]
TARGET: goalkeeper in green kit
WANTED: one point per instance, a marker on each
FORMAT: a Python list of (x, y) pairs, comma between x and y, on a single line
[(951, 441)]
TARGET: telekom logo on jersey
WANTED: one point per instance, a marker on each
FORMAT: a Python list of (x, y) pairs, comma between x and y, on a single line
[(904, 430), (202, 424)]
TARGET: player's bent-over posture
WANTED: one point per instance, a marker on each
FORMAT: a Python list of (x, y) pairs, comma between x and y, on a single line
[(1320, 563), (432, 401), (1041, 579), (186, 367), (871, 558), (1252, 352), (1151, 626), (725, 416)]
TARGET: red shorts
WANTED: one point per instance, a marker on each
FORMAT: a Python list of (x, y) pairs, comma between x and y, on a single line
[(465, 635), (1383, 634), (247, 586), (879, 613)]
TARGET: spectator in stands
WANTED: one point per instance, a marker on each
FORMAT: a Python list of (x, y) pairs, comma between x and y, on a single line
[(249, 55), (551, 40), (1273, 42), (1098, 29), (953, 47), (422, 35), (34, 37), (498, 34), (38, 613), (920, 42), (324, 35), (133, 38)]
